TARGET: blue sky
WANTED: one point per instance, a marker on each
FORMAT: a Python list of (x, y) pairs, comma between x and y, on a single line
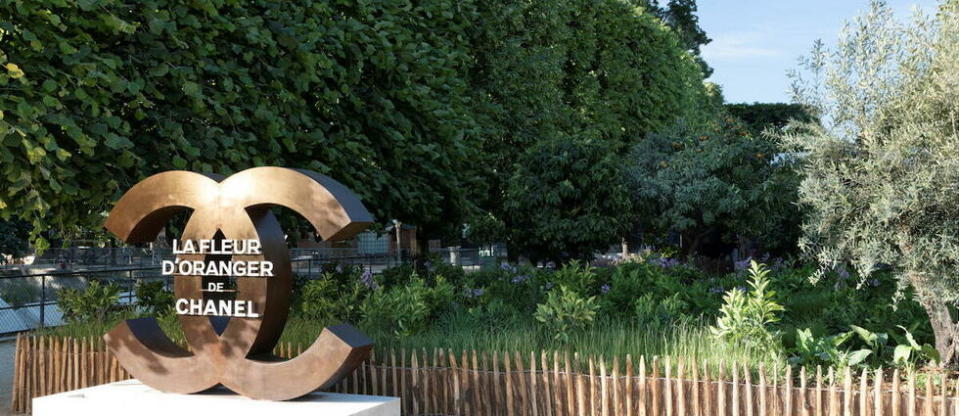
[(756, 41)]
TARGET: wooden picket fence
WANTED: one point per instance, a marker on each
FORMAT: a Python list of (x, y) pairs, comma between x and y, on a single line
[(442, 382)]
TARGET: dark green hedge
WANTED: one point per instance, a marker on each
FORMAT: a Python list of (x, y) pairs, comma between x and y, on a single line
[(396, 99)]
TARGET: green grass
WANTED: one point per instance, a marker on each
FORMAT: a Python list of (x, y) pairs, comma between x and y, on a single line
[(686, 340), (689, 341)]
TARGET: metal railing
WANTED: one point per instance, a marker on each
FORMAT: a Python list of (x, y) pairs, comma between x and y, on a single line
[(69, 257), (29, 299)]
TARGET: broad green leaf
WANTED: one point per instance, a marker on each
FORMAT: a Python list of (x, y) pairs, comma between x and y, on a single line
[(857, 357), (13, 70), (179, 162), (191, 89), (901, 354), (117, 142)]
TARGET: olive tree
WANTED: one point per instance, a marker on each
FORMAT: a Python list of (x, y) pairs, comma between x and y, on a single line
[(881, 170)]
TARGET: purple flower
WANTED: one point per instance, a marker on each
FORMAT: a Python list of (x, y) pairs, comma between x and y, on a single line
[(428, 265), (367, 279), (742, 264), (874, 282), (666, 262), (548, 285), (716, 290), (520, 278), (506, 267), (604, 289), (473, 293), (842, 273), (742, 289), (339, 268)]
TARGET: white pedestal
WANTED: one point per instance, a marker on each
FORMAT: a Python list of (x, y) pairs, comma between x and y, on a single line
[(130, 397)]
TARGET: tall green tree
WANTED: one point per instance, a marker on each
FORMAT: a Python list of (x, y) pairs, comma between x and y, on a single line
[(14, 239), (519, 51), (716, 185), (881, 174), (98, 94), (567, 200), (680, 15), (603, 71)]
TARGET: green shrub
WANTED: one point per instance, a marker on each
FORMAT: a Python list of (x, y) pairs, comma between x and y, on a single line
[(93, 303), (405, 310), (649, 309), (811, 350), (520, 286), (455, 275), (841, 298), (626, 285), (329, 301), (653, 292), (565, 312), (746, 317), (397, 275), (873, 349), (398, 311), (576, 276), (154, 298), (910, 352)]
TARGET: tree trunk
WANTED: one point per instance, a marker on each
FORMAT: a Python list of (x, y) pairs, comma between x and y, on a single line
[(944, 327)]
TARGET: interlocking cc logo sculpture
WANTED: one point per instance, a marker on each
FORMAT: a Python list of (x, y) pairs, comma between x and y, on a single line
[(236, 352)]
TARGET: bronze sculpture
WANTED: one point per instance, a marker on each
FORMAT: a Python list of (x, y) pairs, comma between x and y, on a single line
[(236, 351)]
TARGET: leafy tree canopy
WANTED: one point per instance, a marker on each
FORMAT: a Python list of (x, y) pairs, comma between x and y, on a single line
[(604, 70), (568, 198), (714, 183), (760, 116), (420, 108), (98, 94), (14, 238), (680, 15), (881, 173)]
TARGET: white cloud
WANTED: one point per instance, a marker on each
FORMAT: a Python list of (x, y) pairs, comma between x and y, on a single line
[(726, 46)]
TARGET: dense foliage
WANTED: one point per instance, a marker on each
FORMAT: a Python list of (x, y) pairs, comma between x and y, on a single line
[(602, 72), (153, 297), (746, 316), (92, 303), (880, 173), (761, 116), (680, 15), (14, 239), (99, 94), (418, 107), (763, 314), (566, 200), (717, 186)]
